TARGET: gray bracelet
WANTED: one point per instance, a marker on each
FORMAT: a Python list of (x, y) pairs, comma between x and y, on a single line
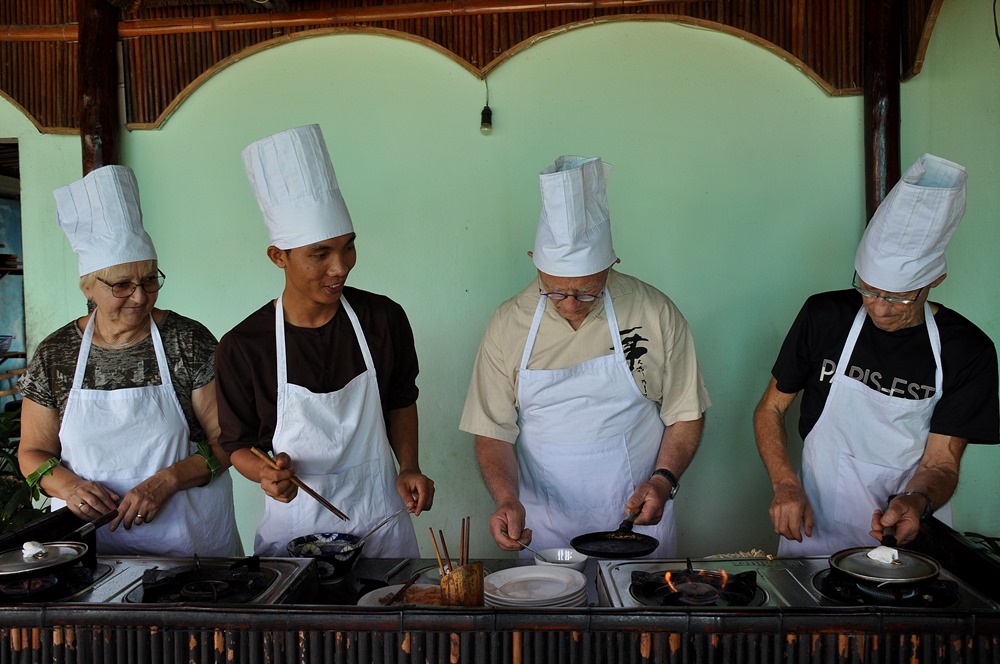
[(928, 509)]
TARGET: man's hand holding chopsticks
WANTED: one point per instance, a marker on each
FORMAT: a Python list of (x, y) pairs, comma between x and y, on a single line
[(277, 482)]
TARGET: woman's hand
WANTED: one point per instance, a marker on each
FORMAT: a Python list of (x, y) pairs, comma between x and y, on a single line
[(89, 500), (144, 501)]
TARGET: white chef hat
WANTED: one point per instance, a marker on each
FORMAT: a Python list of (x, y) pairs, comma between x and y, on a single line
[(574, 229), (296, 188), (100, 215), (903, 247)]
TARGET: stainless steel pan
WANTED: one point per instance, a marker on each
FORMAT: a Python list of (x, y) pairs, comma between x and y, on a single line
[(910, 568)]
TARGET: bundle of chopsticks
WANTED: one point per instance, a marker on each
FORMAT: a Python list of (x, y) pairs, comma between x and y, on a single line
[(463, 550)]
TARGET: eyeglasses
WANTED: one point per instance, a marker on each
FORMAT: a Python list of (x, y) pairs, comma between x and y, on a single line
[(580, 297), (125, 289), (891, 299)]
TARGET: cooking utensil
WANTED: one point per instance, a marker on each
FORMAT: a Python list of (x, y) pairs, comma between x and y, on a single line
[(562, 556), (87, 528), (381, 523), (368, 584), (402, 591), (620, 543), (340, 550), (525, 546), (52, 556), (302, 485), (437, 553), (910, 567)]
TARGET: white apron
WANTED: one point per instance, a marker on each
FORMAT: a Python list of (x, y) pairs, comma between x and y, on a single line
[(588, 438), (864, 447), (120, 438), (338, 445)]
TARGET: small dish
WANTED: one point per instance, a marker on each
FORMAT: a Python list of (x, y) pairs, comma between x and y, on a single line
[(564, 557)]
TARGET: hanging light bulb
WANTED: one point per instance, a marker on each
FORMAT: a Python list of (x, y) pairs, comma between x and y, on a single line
[(486, 121)]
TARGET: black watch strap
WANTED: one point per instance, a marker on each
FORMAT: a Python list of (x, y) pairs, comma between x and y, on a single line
[(670, 478)]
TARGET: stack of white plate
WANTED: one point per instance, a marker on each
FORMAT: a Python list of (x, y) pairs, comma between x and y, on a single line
[(535, 586)]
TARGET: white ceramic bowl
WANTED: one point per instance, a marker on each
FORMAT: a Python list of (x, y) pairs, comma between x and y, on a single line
[(562, 557)]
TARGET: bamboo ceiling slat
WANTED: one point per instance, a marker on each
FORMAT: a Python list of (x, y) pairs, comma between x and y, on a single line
[(38, 51)]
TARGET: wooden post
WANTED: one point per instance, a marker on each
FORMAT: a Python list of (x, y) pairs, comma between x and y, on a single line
[(100, 123), (881, 85)]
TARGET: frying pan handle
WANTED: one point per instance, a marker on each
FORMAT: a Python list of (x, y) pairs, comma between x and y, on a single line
[(889, 536), (630, 517), (87, 528)]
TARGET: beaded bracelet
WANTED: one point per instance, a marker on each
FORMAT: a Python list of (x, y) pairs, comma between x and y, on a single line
[(214, 467)]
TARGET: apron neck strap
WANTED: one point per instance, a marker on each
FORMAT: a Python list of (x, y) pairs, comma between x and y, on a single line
[(609, 312), (88, 340)]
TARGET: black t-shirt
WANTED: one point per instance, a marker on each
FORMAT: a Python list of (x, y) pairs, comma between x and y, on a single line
[(322, 360), (898, 363)]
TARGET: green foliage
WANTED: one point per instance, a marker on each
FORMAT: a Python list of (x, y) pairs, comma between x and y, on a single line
[(16, 506)]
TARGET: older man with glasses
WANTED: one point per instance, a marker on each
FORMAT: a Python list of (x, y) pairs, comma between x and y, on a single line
[(893, 386), (586, 399)]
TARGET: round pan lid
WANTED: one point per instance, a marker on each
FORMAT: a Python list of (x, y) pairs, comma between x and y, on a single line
[(910, 568), (52, 554)]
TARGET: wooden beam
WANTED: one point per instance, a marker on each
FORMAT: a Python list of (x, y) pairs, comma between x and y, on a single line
[(881, 54), (100, 118)]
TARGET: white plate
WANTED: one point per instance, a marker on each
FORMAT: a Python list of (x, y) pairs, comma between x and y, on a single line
[(537, 585), (373, 598), (579, 599)]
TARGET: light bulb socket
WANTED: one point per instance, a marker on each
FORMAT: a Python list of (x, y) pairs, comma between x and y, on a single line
[(486, 121)]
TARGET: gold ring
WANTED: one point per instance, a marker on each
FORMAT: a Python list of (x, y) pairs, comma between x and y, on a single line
[(138, 516), (81, 504)]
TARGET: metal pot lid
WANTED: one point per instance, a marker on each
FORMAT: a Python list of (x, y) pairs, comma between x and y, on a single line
[(910, 568), (51, 554)]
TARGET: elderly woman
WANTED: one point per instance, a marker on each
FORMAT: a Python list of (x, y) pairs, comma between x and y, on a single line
[(116, 402)]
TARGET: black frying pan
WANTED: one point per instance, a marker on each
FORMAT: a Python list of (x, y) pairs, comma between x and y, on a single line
[(620, 543)]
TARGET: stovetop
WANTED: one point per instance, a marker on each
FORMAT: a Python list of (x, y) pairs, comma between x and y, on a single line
[(119, 579), (780, 583)]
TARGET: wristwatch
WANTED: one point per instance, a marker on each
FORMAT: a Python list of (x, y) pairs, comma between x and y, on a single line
[(670, 478)]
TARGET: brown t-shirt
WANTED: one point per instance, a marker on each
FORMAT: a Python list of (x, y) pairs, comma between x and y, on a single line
[(322, 359)]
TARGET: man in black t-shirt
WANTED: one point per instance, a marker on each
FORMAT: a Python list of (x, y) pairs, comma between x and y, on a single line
[(323, 376), (893, 386)]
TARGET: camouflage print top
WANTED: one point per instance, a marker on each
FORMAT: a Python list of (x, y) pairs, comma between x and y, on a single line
[(189, 346)]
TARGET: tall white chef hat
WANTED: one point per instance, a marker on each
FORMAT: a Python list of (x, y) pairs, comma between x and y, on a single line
[(100, 215), (903, 247), (296, 188), (574, 229)]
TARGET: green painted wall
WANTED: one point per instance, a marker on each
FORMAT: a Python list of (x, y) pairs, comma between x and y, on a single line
[(952, 108), (737, 190)]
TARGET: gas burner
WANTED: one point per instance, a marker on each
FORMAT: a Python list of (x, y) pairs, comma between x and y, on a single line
[(696, 587), (839, 587), (237, 583), (61, 585)]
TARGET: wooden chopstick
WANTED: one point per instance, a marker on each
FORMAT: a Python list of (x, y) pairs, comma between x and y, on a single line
[(468, 537), (444, 548), (461, 546), (302, 485), (436, 552)]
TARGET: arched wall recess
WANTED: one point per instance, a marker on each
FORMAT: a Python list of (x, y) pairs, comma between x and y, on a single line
[(481, 73), (167, 46)]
